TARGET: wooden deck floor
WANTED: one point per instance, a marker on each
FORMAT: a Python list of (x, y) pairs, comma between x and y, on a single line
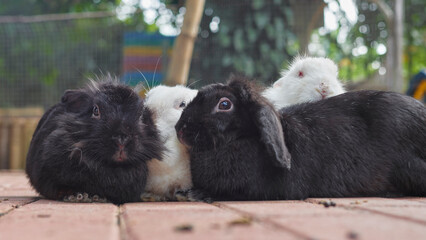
[(23, 215)]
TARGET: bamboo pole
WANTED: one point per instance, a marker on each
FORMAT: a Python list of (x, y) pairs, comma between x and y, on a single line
[(178, 69)]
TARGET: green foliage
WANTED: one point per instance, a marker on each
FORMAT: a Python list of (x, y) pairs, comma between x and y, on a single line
[(415, 37), (370, 31), (254, 39)]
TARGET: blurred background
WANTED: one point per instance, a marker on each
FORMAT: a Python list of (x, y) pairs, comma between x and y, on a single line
[(48, 46)]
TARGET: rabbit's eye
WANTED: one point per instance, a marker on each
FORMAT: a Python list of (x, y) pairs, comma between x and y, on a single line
[(96, 113), (224, 105), (182, 104)]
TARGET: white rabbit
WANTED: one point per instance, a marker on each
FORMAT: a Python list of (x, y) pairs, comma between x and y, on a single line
[(308, 79), (172, 173)]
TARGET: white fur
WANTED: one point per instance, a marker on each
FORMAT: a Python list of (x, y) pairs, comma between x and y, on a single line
[(173, 172), (319, 81)]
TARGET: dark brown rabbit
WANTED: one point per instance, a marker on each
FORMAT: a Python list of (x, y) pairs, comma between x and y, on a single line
[(96, 141), (366, 143)]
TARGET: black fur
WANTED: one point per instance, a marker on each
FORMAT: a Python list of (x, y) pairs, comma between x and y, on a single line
[(366, 143), (73, 151)]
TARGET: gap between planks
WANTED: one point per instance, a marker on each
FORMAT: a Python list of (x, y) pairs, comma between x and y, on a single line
[(121, 224), (13, 207)]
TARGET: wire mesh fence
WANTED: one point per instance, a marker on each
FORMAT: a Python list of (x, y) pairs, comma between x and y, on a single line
[(39, 60), (42, 58)]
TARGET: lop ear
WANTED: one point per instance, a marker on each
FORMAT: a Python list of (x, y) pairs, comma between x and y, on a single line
[(265, 118), (272, 136), (75, 100)]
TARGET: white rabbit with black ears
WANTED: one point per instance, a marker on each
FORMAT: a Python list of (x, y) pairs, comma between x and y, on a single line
[(172, 173), (308, 79)]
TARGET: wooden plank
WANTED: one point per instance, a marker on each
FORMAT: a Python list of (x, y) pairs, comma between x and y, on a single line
[(15, 138), (16, 151), (21, 112), (29, 128), (4, 143)]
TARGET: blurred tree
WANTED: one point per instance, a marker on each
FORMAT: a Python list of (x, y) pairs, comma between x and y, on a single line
[(255, 37), (251, 37), (393, 15), (414, 37), (362, 54)]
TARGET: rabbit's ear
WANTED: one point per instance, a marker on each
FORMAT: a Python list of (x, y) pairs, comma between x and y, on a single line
[(272, 136), (265, 119), (75, 100)]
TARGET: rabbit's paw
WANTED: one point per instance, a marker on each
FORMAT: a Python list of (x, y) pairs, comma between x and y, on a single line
[(151, 197), (181, 195), (84, 198), (196, 195)]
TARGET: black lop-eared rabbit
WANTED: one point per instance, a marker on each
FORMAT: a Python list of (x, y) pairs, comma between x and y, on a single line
[(366, 143), (94, 143)]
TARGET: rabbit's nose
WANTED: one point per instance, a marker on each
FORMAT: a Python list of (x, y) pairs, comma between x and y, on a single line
[(121, 140), (180, 131)]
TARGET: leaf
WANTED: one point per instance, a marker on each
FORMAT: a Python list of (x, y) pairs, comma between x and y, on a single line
[(270, 32), (249, 67), (184, 228), (224, 28), (251, 35), (257, 4), (238, 40), (289, 16), (224, 40), (226, 61), (51, 77), (279, 36), (264, 49), (261, 19), (241, 221)]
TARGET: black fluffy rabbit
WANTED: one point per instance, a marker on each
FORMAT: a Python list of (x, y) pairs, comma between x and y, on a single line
[(366, 143), (96, 141)]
